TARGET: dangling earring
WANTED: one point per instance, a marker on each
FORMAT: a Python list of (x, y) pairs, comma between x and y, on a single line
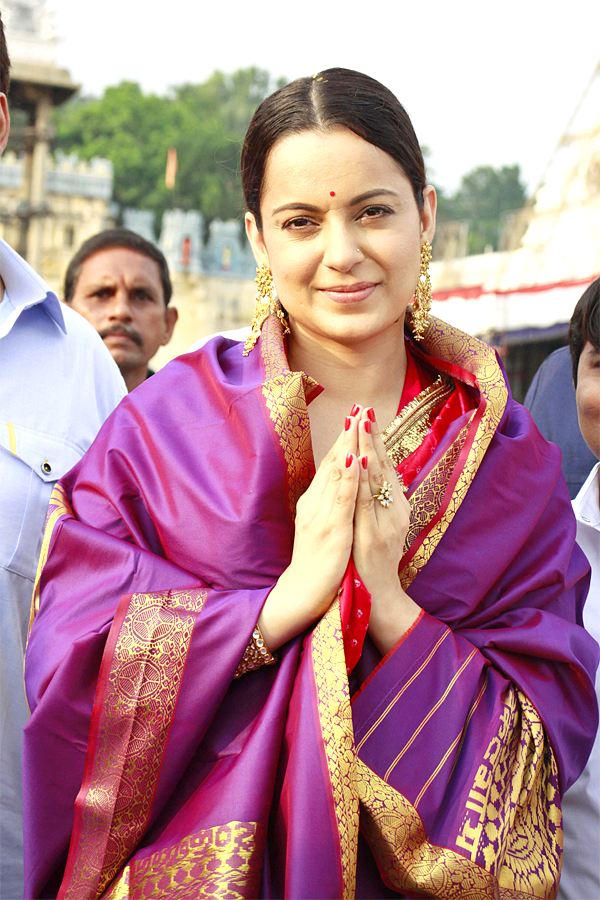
[(422, 299), (266, 304)]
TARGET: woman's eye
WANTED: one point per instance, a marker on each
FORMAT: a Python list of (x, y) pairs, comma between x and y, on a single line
[(372, 212), (298, 222)]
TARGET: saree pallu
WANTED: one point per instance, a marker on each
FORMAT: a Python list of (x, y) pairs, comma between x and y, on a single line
[(149, 771)]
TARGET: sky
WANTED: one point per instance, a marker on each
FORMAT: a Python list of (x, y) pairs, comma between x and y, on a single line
[(484, 83)]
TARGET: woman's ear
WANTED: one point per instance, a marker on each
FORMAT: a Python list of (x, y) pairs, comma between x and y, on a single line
[(255, 236), (428, 212)]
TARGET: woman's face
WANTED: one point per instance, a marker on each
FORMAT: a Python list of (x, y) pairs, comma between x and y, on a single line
[(342, 234)]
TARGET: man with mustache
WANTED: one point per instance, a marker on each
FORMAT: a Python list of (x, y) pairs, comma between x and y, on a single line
[(120, 283)]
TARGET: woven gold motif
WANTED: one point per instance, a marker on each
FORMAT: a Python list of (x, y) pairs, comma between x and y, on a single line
[(447, 343), (224, 861), (513, 821), (335, 715), (140, 696), (256, 655), (285, 396), (59, 506), (395, 833), (406, 432)]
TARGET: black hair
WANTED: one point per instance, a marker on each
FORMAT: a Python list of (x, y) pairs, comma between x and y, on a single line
[(333, 97), (4, 61), (584, 325), (116, 237)]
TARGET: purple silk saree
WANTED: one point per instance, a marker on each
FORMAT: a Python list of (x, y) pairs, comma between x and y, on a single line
[(437, 771)]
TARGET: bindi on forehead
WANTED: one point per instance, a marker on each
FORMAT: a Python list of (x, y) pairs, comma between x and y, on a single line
[(332, 193)]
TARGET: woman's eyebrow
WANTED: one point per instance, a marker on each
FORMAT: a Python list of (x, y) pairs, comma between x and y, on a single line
[(290, 206), (379, 192)]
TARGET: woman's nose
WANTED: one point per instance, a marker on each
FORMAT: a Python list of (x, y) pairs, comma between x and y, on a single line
[(341, 250)]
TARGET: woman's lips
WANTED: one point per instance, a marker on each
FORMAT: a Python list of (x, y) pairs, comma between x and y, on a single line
[(353, 293)]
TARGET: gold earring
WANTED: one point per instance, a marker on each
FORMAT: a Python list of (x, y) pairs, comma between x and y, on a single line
[(422, 299), (266, 304)]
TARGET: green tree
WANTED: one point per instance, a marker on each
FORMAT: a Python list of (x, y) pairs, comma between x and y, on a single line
[(205, 122), (484, 196)]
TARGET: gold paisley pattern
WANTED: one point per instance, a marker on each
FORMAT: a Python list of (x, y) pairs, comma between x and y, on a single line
[(444, 342), (59, 507), (139, 700), (513, 822), (285, 395), (222, 862), (408, 861), (335, 715)]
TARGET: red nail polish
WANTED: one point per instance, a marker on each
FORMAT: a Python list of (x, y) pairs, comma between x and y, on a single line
[(367, 424), (349, 459), (371, 413), (354, 410), (347, 423), (364, 461)]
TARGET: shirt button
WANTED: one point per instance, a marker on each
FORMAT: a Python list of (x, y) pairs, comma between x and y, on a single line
[(46, 467)]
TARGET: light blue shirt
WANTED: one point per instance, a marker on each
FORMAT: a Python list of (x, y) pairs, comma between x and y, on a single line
[(58, 383)]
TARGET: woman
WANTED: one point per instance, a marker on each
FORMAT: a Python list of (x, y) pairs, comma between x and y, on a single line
[(409, 735)]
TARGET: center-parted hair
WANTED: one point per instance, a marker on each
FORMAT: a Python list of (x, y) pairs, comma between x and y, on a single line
[(107, 240), (334, 97)]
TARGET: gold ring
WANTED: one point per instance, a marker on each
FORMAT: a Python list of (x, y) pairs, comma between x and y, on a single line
[(384, 496)]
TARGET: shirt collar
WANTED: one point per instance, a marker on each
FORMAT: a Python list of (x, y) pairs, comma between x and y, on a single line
[(585, 504), (25, 288)]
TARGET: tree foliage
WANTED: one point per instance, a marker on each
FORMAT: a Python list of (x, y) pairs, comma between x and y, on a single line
[(205, 122), (484, 197)]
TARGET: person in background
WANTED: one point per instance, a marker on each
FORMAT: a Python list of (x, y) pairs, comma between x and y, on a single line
[(120, 283), (580, 879), (57, 385), (551, 402)]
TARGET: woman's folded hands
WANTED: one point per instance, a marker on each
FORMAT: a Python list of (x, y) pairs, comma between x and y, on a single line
[(340, 516)]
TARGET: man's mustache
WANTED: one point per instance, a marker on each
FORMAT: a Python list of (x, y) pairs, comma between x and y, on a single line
[(125, 331)]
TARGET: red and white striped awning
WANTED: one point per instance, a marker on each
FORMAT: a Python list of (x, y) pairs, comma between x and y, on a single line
[(479, 311)]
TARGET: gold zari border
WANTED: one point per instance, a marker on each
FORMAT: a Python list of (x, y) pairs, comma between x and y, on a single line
[(285, 396), (446, 343), (335, 714), (224, 861), (137, 710)]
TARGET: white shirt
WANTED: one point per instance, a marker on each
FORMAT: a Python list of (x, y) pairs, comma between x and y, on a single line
[(580, 879), (58, 383)]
